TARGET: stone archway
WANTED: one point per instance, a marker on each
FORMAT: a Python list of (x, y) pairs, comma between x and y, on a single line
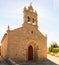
[(30, 53), (32, 49)]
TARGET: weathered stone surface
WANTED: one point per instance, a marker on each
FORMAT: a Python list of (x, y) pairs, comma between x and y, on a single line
[(16, 42)]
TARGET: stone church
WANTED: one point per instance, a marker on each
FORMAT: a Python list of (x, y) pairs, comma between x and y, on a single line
[(27, 42)]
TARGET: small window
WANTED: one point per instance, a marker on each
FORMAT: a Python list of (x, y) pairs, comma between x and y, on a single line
[(32, 31), (33, 20)]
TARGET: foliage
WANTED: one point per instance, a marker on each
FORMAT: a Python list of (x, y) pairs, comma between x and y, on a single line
[(53, 48)]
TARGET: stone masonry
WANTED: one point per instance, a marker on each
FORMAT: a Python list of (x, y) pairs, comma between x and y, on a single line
[(27, 42)]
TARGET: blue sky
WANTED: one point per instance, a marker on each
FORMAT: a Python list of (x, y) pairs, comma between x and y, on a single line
[(11, 13)]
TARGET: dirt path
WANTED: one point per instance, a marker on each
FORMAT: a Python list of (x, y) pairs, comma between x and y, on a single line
[(53, 59)]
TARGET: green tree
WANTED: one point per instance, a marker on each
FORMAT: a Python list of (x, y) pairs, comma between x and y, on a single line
[(53, 46)]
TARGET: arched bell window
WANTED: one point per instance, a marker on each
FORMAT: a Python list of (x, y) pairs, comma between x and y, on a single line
[(28, 19), (33, 21)]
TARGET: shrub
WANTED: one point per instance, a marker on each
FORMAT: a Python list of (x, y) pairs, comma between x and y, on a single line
[(55, 50)]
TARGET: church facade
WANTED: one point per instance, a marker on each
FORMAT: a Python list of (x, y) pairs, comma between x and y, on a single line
[(27, 42)]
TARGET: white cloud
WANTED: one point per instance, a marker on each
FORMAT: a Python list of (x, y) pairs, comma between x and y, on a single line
[(3, 30), (51, 35)]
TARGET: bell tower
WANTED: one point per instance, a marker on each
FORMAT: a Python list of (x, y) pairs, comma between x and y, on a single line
[(30, 16)]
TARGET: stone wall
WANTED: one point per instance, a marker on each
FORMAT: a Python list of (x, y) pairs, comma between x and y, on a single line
[(4, 47), (19, 41), (15, 44)]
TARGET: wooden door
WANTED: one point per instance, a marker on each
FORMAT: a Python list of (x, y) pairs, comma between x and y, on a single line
[(30, 53)]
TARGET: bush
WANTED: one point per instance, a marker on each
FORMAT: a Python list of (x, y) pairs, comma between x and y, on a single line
[(55, 50)]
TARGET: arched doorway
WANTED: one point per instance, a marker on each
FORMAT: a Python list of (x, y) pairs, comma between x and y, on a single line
[(30, 53)]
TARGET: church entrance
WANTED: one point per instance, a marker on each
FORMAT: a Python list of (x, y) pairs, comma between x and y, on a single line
[(30, 53)]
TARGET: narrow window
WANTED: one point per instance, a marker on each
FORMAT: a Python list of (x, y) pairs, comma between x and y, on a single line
[(28, 18), (32, 31), (33, 20)]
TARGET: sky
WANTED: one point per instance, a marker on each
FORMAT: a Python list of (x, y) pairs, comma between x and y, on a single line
[(11, 13)]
